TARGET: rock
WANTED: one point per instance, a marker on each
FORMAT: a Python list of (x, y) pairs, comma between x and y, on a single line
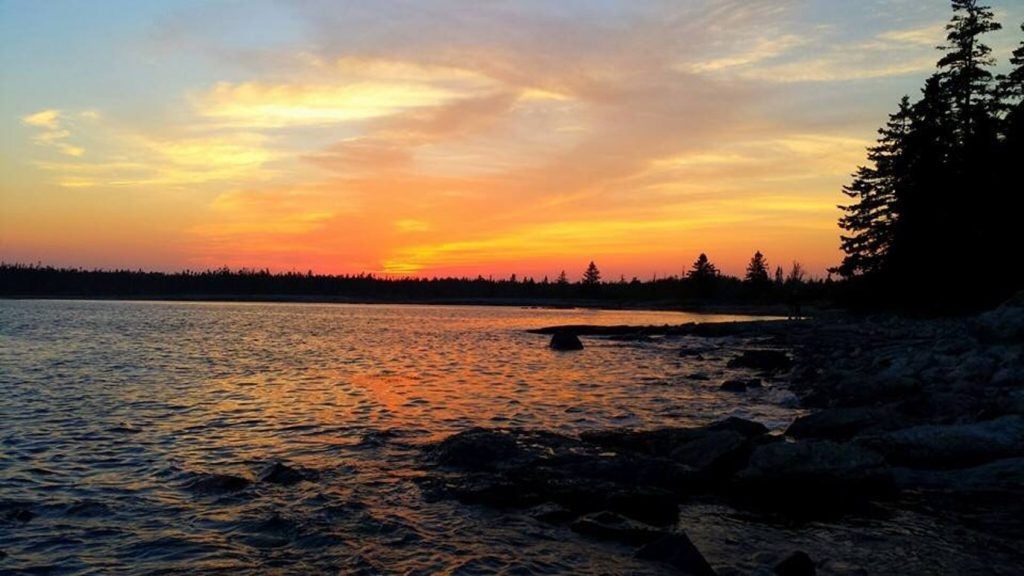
[(678, 551), (565, 341), (951, 446), (843, 423), (763, 360), (217, 483), (999, 476), (740, 385), (796, 564), (552, 514), (611, 526), (635, 337), (1004, 324), (279, 473), (810, 479), (493, 491), (494, 449)]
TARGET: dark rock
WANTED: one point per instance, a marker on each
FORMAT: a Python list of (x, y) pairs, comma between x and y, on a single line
[(611, 526), (552, 514), (635, 337), (1004, 324), (279, 473), (740, 385), (677, 551), (811, 479), (763, 360), (951, 446), (495, 449), (3, 554), (998, 477), (843, 423), (217, 483), (747, 428), (796, 564), (565, 341), (493, 491)]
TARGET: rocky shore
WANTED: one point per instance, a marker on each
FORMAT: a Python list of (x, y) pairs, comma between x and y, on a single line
[(911, 462)]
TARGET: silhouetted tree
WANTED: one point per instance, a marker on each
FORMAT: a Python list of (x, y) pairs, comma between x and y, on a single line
[(591, 276), (563, 280), (779, 275), (796, 274), (702, 269), (757, 270)]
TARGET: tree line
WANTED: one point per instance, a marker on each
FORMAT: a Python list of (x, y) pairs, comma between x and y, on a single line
[(933, 215), (701, 282)]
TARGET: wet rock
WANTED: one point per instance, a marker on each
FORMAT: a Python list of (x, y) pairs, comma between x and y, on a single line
[(565, 341), (810, 479), (740, 384), (217, 483), (279, 473), (1004, 324), (843, 423), (493, 491), (1004, 476), (611, 526), (951, 446), (762, 360), (495, 449), (796, 564), (635, 337), (552, 513), (677, 551)]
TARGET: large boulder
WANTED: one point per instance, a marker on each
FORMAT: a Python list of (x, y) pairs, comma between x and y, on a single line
[(844, 423), (811, 478), (498, 449), (951, 446), (565, 341)]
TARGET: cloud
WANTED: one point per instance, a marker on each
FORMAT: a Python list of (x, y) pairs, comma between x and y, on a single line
[(43, 119)]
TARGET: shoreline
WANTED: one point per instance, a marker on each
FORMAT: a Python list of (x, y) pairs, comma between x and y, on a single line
[(775, 310), (915, 431)]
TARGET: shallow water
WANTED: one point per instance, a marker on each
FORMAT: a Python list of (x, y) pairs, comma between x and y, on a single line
[(110, 410)]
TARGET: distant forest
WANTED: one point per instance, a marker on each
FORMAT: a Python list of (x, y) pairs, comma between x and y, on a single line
[(701, 283), (934, 219)]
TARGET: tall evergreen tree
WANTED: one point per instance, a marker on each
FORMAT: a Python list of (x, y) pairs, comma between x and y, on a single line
[(870, 219), (964, 65), (591, 275)]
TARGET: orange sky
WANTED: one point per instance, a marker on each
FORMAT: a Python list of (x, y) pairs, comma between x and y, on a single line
[(439, 138)]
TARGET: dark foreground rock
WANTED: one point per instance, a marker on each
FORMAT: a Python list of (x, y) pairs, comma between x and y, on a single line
[(951, 446), (677, 551), (565, 341), (796, 564)]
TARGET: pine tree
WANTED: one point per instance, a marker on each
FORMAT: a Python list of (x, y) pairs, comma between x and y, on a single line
[(757, 270), (702, 269), (963, 67), (591, 275), (870, 219)]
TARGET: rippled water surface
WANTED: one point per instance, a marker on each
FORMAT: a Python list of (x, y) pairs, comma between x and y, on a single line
[(110, 411)]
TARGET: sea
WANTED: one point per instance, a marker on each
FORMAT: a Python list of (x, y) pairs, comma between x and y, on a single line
[(112, 412)]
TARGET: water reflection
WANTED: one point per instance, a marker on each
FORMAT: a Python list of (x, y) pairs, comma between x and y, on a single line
[(111, 410)]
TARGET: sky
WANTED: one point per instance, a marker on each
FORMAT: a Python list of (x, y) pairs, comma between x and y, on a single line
[(447, 138)]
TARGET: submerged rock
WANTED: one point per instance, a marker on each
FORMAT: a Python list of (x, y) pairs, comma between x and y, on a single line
[(796, 564), (279, 473), (763, 360), (217, 483), (565, 341), (677, 551)]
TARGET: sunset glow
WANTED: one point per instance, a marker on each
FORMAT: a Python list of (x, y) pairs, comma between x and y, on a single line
[(445, 138)]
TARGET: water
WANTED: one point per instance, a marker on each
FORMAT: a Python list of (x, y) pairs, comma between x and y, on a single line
[(109, 410)]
